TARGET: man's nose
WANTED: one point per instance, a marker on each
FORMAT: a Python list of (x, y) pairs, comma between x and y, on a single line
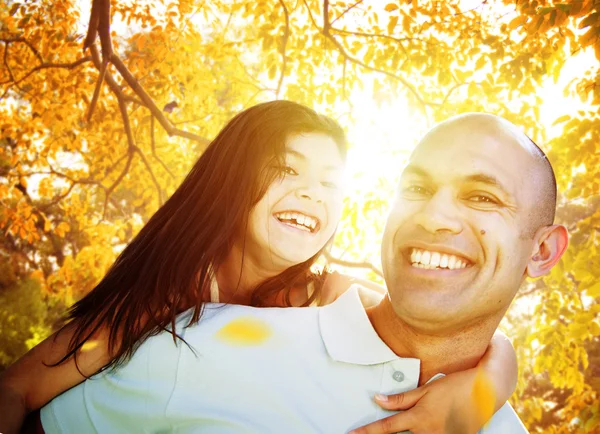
[(440, 214), (310, 189)]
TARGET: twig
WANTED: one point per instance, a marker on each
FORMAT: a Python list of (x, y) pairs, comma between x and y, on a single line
[(151, 172), (26, 42), (346, 11), (109, 190), (103, 69), (153, 147), (133, 147), (351, 264), (46, 66), (286, 35)]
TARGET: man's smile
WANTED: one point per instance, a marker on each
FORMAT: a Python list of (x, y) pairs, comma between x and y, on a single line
[(436, 260)]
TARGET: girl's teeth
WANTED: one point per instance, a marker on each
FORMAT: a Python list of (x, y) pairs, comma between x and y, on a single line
[(444, 261), (295, 219), (425, 258), (435, 259)]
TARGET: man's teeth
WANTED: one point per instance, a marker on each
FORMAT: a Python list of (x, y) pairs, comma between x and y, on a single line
[(297, 220), (430, 260)]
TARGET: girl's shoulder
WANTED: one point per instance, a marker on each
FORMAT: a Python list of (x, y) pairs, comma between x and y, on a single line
[(335, 284)]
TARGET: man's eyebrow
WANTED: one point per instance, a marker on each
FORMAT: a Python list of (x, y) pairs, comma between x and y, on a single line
[(488, 179), (411, 169), (303, 157)]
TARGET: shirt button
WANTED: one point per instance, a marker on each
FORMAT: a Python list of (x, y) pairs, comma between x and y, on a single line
[(398, 376)]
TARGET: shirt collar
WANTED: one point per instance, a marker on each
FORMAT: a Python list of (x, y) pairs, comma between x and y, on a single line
[(348, 334)]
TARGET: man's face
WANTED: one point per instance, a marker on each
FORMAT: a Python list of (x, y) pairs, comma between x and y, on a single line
[(456, 244)]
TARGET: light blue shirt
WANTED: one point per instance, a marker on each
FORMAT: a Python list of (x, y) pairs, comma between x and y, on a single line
[(293, 370)]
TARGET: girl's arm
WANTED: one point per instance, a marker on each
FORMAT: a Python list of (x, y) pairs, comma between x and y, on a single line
[(29, 384), (460, 402)]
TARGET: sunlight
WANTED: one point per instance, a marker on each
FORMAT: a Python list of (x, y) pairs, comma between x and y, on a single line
[(382, 135)]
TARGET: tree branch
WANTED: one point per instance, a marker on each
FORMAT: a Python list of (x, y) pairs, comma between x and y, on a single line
[(112, 83), (381, 36), (149, 103), (103, 69)]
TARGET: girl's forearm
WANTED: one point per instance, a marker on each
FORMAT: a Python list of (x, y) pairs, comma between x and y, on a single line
[(12, 410), (500, 366)]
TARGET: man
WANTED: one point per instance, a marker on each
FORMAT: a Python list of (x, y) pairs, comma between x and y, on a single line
[(473, 217)]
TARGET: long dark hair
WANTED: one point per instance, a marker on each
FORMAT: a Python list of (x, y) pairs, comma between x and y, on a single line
[(168, 266)]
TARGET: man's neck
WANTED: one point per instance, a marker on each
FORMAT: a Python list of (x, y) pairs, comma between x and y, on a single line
[(440, 352)]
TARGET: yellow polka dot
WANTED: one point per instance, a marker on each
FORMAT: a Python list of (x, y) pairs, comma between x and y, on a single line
[(484, 395), (245, 331)]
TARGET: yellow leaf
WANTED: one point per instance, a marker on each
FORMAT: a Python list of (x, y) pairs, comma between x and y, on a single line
[(594, 290), (519, 21), (391, 7), (392, 24)]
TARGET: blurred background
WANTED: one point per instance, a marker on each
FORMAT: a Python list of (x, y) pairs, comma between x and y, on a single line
[(74, 188)]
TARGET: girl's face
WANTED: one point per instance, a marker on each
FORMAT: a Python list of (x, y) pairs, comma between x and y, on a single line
[(300, 210)]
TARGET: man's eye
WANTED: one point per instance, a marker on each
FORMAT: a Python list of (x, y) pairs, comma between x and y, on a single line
[(416, 189), (481, 198)]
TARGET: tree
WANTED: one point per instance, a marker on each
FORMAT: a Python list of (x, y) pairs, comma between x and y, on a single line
[(97, 129)]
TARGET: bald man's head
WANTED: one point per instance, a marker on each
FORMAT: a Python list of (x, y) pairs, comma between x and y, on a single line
[(540, 175), (472, 219)]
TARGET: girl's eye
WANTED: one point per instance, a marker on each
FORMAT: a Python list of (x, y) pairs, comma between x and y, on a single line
[(287, 170), (329, 184)]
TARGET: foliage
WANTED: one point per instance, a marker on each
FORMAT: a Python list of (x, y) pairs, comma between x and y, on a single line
[(79, 174)]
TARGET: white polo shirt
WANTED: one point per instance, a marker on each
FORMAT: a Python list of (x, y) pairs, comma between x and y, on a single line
[(268, 370)]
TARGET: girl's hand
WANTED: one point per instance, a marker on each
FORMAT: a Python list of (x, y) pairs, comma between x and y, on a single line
[(458, 403)]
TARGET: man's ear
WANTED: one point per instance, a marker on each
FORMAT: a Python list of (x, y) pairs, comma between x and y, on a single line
[(550, 244)]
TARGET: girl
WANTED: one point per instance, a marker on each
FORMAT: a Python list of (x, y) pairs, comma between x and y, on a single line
[(252, 216)]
